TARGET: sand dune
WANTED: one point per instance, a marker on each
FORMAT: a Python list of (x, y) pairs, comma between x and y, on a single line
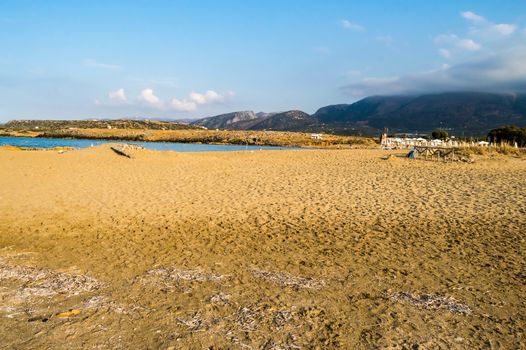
[(265, 249)]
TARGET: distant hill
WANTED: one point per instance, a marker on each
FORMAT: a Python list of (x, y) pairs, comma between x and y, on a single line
[(467, 112), (289, 121), (50, 125), (224, 121), (248, 120), (461, 113)]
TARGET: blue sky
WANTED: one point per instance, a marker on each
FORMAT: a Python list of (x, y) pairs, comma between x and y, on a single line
[(189, 59)]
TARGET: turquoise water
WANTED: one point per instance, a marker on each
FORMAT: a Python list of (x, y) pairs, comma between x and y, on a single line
[(160, 146)]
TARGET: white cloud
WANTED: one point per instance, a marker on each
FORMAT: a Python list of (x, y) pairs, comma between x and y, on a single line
[(183, 106), (93, 63), (505, 72), (148, 96), (503, 28), (117, 95), (346, 24), (484, 27), (208, 97), (468, 44), (471, 16), (444, 53), (462, 43)]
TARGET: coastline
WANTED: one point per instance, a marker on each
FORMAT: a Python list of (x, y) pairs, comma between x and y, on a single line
[(220, 137)]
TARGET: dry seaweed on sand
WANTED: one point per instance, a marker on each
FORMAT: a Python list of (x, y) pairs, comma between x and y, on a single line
[(194, 323), (430, 302), (175, 274), (42, 282), (104, 303), (281, 317), (172, 277), (287, 280), (247, 319), (220, 299)]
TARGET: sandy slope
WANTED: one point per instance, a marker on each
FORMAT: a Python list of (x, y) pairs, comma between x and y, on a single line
[(268, 249)]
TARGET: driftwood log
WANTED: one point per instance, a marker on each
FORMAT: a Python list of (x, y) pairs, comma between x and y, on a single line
[(120, 152)]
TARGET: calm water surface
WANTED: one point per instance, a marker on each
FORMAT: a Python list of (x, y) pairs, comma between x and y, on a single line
[(160, 146)]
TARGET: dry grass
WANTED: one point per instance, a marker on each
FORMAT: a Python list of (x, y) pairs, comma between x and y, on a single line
[(430, 302), (492, 150)]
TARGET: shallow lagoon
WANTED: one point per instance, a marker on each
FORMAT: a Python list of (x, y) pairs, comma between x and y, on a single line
[(41, 142)]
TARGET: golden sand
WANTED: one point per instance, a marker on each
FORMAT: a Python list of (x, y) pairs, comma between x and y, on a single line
[(260, 250)]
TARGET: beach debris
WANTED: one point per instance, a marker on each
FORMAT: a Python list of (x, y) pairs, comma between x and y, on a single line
[(281, 317), (70, 313), (246, 319), (170, 277), (270, 344), (42, 282), (284, 279), (128, 146), (120, 152), (220, 299), (174, 273), (10, 311), (430, 302), (194, 323), (99, 302)]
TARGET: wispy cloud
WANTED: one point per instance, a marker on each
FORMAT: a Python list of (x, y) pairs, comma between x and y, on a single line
[(183, 105), (505, 72), (472, 16), (462, 43), (118, 95), (346, 24), (89, 62), (484, 27), (444, 53)]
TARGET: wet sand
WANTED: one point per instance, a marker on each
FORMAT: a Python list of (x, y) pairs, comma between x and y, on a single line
[(261, 250)]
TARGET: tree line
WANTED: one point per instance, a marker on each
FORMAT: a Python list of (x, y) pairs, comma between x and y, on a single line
[(509, 134)]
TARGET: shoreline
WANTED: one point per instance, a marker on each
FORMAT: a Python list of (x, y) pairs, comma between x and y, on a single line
[(219, 137)]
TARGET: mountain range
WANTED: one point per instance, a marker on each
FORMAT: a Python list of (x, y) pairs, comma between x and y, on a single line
[(468, 113)]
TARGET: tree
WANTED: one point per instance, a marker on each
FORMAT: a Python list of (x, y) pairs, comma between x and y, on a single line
[(439, 134), (510, 134)]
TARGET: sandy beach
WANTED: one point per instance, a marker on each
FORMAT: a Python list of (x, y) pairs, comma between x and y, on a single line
[(306, 249)]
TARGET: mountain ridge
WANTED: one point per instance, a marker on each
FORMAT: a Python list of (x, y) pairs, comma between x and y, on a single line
[(469, 113)]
